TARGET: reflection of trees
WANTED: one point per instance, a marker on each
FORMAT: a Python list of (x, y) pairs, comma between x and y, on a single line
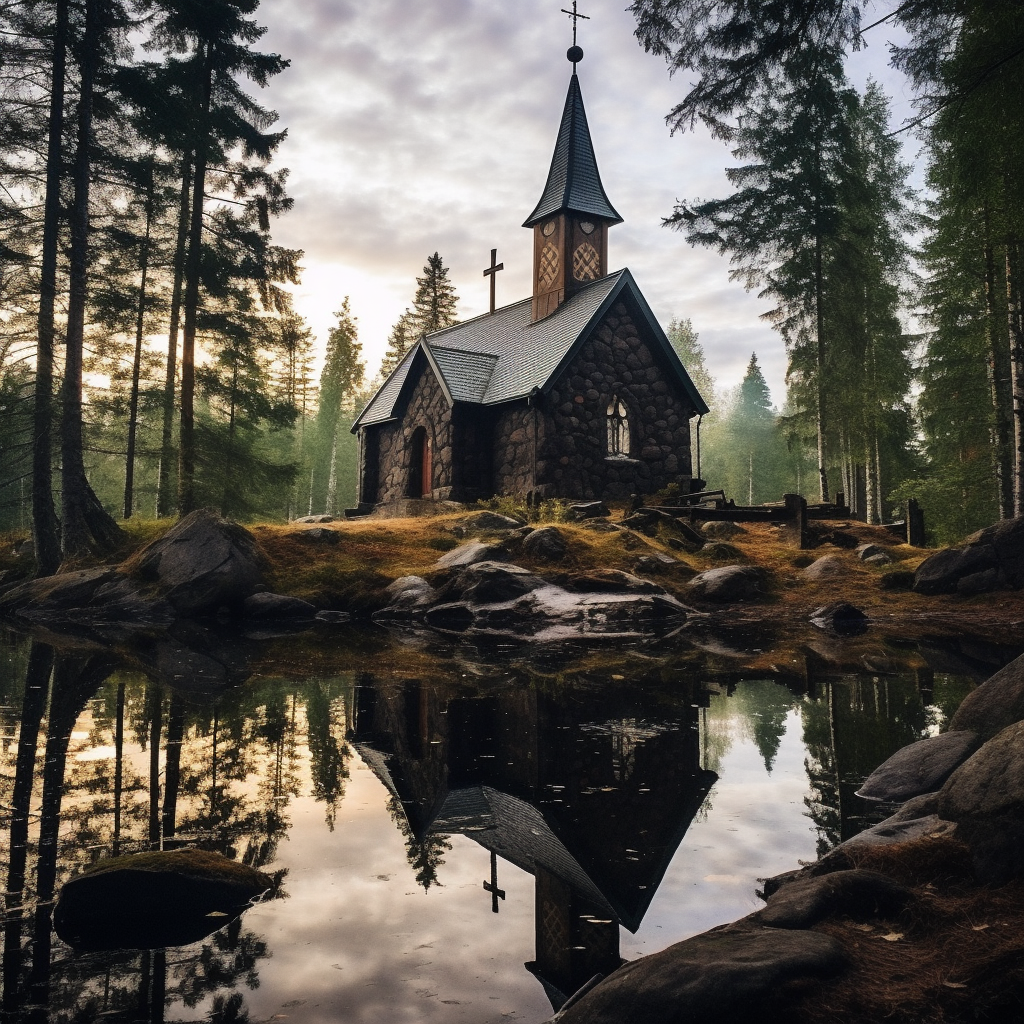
[(754, 712), (328, 751), (856, 725), (425, 855)]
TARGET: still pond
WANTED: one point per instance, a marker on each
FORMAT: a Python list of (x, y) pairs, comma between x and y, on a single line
[(457, 836)]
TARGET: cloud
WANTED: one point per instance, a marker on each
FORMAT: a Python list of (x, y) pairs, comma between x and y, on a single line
[(416, 127)]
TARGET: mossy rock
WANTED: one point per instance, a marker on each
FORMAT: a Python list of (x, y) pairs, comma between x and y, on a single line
[(153, 900)]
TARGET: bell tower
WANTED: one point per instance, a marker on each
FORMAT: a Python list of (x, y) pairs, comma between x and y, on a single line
[(570, 223)]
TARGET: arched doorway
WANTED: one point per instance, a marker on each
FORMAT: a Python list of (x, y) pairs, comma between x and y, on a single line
[(421, 469)]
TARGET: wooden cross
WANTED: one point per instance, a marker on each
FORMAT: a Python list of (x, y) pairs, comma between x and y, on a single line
[(492, 886), (575, 15), (492, 273)]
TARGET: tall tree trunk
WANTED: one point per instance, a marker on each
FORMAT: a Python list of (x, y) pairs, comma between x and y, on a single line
[(879, 492), (140, 321), (331, 507), (229, 454), (869, 478), (819, 365), (186, 446), (85, 524), (998, 372), (1013, 293), (172, 765), (164, 501), (45, 527)]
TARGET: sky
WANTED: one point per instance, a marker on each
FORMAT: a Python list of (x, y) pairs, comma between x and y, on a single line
[(417, 126)]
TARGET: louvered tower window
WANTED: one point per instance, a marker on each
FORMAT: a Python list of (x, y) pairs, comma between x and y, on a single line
[(618, 429)]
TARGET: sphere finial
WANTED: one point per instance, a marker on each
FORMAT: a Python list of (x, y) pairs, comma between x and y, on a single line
[(574, 54)]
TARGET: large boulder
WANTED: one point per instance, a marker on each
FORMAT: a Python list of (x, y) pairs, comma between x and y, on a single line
[(409, 596), (921, 767), (1007, 541), (985, 797), (996, 704), (859, 894), (728, 583), (827, 567), (486, 522), (840, 617), (202, 563), (728, 975), (940, 573), (152, 900), (721, 530), (492, 583), (547, 544)]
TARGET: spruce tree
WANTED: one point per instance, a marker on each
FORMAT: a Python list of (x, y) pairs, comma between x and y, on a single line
[(433, 307), (402, 338)]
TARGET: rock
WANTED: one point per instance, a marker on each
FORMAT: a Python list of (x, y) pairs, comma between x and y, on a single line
[(840, 617), (583, 510), (720, 530), (601, 526), (408, 595), (720, 552), (551, 613), (985, 796), (728, 583), (317, 535), (486, 522), (995, 704), (152, 900), (202, 563), (940, 573), (611, 581), (548, 544), (978, 583), (882, 558), (726, 975), (866, 551), (467, 554), (59, 593), (859, 894), (495, 583), (655, 563), (1007, 540), (274, 607), (314, 519), (990, 782), (828, 567), (921, 767), (332, 618), (649, 521)]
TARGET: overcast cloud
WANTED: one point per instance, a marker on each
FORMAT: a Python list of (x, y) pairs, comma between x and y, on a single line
[(423, 126)]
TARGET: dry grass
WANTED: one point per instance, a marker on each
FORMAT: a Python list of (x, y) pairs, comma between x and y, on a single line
[(956, 953)]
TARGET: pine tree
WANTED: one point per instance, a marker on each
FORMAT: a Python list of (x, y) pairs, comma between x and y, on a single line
[(433, 307), (402, 338), (341, 377)]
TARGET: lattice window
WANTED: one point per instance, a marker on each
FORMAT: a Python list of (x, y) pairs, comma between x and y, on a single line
[(618, 429), (547, 273), (586, 263)]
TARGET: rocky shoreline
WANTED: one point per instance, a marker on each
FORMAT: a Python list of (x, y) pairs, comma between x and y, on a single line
[(917, 918)]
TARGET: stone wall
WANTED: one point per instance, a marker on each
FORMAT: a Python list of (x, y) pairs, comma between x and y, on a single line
[(425, 406), (514, 447), (573, 459)]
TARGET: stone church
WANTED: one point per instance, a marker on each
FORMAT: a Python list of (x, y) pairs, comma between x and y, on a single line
[(574, 392)]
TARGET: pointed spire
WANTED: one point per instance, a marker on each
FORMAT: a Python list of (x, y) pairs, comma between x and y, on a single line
[(574, 183)]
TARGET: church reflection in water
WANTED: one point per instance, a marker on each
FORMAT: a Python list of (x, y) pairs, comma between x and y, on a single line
[(590, 792), (585, 780)]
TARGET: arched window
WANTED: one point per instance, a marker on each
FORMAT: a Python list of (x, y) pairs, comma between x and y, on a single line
[(618, 429)]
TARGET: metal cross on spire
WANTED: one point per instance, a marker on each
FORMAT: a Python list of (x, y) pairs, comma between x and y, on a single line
[(492, 272), (575, 15)]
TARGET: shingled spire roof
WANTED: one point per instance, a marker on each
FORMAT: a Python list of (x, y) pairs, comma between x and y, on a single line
[(574, 182)]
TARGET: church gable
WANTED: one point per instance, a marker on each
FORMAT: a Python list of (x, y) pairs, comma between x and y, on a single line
[(413, 451), (617, 416)]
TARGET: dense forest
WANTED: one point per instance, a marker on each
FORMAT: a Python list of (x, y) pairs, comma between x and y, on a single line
[(151, 360), (822, 223)]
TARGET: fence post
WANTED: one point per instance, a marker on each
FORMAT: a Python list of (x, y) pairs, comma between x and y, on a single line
[(796, 521), (915, 524)]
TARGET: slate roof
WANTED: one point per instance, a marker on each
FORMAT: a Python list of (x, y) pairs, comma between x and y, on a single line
[(505, 355), (574, 182)]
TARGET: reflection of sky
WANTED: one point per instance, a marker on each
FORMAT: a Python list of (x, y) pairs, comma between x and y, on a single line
[(756, 827), (359, 940)]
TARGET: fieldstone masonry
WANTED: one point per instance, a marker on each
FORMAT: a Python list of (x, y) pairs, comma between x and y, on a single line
[(550, 445)]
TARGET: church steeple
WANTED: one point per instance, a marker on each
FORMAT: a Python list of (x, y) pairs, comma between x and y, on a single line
[(571, 221)]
